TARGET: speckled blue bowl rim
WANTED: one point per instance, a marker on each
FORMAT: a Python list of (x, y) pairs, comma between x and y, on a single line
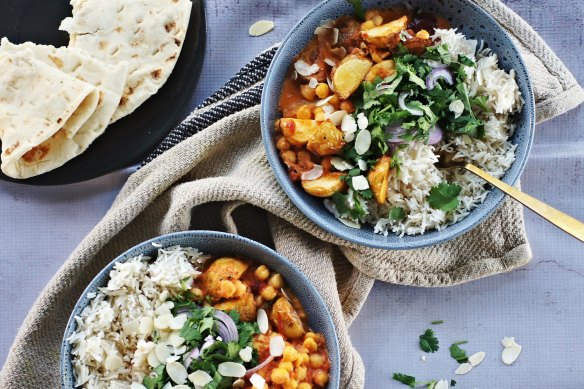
[(299, 281), (473, 219)]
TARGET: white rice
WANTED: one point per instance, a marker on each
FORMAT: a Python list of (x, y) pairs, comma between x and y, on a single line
[(110, 347), (494, 153)]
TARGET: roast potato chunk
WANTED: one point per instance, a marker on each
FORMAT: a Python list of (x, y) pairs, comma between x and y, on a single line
[(349, 74), (298, 131), (378, 178), (219, 279), (382, 70), (286, 319), (326, 185), (245, 306), (327, 140), (385, 35)]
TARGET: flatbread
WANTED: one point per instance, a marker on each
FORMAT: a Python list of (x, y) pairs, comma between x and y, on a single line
[(148, 34), (109, 81), (38, 103)]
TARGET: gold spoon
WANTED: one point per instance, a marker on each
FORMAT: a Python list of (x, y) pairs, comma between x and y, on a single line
[(552, 215)]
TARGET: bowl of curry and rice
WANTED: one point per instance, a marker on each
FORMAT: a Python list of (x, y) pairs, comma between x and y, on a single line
[(362, 101), (200, 309)]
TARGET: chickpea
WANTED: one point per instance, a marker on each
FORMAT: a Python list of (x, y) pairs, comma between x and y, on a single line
[(316, 361), (302, 359), (368, 25), (292, 384), (301, 373), (259, 301), (287, 366), (335, 101), (262, 272), (347, 106), (282, 144), (289, 158), (310, 334), (304, 112), (277, 125), (276, 281), (322, 90), (197, 294), (423, 34), (320, 377), (268, 293), (307, 92), (304, 385), (290, 354), (310, 344), (378, 20), (326, 164), (280, 376)]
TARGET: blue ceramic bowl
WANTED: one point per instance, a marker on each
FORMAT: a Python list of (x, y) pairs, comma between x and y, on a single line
[(219, 244), (471, 20)]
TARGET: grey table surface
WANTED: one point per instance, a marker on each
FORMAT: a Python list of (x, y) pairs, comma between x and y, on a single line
[(542, 304)]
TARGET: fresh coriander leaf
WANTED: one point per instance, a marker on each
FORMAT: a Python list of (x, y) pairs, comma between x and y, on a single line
[(438, 53), (340, 201), (367, 194), (397, 213), (207, 324), (461, 88), (460, 342), (428, 342), (235, 316), (190, 333), (359, 11), (444, 196), (458, 354), (405, 379), (481, 102), (156, 380), (378, 140), (437, 322), (464, 60), (431, 384)]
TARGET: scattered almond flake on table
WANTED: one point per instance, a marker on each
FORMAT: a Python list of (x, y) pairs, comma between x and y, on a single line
[(423, 358), (476, 358), (463, 368), (261, 27), (442, 384), (511, 351)]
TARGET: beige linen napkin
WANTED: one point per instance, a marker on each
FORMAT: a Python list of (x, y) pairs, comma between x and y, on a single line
[(220, 179)]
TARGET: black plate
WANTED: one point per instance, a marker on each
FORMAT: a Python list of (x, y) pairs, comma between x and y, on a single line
[(130, 139)]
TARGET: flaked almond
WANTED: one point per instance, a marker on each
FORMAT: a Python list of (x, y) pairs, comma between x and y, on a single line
[(349, 124), (313, 173), (463, 368), (277, 346), (200, 378), (313, 83), (340, 164), (177, 372), (261, 27), (322, 102), (263, 322), (511, 351), (336, 117), (162, 352), (305, 69), (362, 165), (246, 354), (257, 381), (476, 358), (362, 142), (113, 363), (360, 183), (350, 223), (231, 369)]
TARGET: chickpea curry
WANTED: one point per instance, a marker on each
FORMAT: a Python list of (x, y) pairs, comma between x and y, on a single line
[(319, 134), (286, 354)]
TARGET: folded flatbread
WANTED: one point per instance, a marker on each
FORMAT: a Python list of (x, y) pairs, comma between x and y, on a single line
[(148, 34), (66, 143), (38, 103)]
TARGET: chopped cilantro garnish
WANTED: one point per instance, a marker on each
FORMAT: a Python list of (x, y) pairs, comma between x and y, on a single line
[(428, 342), (405, 379), (458, 354), (397, 213), (359, 11), (437, 322), (452, 383), (444, 196)]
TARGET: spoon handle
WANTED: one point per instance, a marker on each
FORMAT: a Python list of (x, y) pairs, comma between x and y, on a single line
[(552, 215)]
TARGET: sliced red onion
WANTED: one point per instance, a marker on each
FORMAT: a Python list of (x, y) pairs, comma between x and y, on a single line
[(227, 327), (435, 135), (395, 131), (402, 104), (313, 173), (193, 354), (260, 366), (436, 74)]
